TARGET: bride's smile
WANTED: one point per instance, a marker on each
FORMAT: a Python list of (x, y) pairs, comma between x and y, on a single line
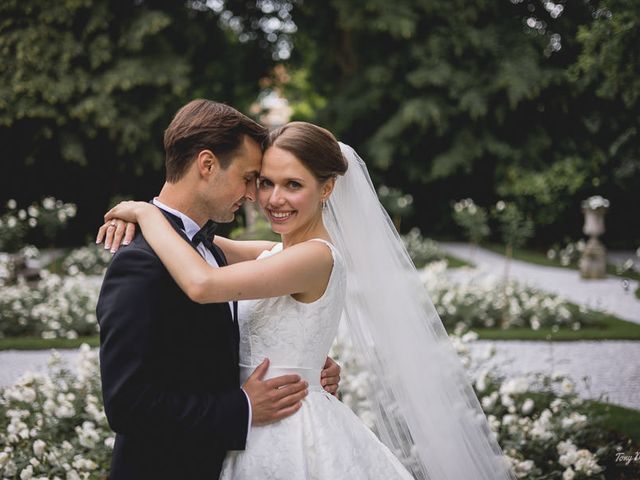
[(289, 193)]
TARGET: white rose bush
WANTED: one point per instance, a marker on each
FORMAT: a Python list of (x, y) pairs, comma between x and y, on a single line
[(53, 307), (545, 430), (422, 250), (481, 303), (89, 260), (49, 216), (53, 425)]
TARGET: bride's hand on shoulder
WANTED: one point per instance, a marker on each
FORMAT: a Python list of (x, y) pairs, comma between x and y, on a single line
[(119, 226)]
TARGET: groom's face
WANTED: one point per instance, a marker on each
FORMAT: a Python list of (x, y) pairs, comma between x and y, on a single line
[(234, 185)]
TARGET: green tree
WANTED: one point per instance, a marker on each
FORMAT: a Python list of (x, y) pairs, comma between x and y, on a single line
[(468, 99), (88, 86)]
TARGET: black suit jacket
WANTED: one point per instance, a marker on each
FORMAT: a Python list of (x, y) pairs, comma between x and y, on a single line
[(170, 375)]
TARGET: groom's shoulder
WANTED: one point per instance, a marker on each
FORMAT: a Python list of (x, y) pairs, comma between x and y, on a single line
[(137, 252)]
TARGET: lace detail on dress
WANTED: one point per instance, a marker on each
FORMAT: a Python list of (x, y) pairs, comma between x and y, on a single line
[(292, 333), (324, 440)]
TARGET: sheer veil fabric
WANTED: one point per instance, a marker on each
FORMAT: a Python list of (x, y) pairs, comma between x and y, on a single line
[(424, 406)]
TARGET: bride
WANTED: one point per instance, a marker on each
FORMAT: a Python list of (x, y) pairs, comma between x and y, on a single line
[(340, 256)]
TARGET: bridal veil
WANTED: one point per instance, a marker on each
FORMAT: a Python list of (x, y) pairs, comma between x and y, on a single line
[(424, 405)]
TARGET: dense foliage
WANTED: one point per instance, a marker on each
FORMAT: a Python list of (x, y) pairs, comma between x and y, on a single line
[(531, 102), (88, 87), (535, 102)]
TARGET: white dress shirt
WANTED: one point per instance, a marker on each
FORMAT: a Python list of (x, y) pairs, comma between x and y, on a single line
[(190, 229)]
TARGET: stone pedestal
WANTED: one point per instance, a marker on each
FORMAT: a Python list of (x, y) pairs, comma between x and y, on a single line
[(593, 263)]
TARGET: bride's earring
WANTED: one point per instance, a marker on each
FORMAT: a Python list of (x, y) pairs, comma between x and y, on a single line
[(323, 202)]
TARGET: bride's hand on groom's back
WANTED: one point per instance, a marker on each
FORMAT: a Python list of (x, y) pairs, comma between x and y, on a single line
[(275, 398), (115, 233)]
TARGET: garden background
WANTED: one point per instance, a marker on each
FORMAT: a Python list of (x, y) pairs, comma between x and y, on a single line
[(486, 127)]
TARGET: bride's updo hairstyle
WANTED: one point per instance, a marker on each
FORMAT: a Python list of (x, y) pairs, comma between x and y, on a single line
[(315, 147)]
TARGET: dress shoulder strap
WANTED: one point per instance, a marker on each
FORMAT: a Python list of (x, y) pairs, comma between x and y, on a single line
[(327, 243)]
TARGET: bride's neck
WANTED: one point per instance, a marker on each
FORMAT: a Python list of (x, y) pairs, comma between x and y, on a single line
[(314, 229)]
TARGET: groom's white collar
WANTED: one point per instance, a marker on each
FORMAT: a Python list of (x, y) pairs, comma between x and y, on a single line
[(190, 226)]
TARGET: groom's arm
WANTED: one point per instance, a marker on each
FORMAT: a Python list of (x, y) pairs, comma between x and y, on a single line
[(133, 404)]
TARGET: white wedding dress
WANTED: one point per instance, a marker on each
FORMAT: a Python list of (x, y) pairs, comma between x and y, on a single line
[(324, 439)]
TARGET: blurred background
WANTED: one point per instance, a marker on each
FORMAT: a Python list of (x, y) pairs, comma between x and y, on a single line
[(525, 101), (502, 136)]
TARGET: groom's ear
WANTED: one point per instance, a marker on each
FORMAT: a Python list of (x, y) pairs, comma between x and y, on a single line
[(207, 164)]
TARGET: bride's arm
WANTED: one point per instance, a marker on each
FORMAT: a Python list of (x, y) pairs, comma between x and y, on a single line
[(117, 232), (242, 250), (301, 268)]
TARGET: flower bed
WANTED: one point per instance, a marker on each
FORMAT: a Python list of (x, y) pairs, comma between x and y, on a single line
[(90, 260), (422, 250), (53, 425), (53, 307), (545, 430), (486, 302)]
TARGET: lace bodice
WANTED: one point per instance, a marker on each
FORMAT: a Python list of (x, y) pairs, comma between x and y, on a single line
[(293, 335), (323, 440)]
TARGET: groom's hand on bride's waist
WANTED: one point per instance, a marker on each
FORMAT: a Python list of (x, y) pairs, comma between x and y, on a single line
[(275, 398), (330, 376)]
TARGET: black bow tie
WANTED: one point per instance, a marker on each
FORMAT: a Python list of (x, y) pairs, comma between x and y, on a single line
[(205, 235)]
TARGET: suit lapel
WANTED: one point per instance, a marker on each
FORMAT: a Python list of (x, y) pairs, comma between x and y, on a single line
[(218, 254), (222, 261)]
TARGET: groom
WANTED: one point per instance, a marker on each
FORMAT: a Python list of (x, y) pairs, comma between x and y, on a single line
[(169, 366)]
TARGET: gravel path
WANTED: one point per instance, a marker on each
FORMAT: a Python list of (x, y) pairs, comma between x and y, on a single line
[(613, 367), (612, 294), (14, 363)]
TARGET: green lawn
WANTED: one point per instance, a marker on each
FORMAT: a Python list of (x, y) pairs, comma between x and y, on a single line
[(620, 419), (596, 326), (601, 327), (455, 262), (35, 343), (540, 258)]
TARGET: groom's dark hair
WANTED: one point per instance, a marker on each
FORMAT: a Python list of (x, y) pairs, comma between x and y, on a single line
[(206, 125)]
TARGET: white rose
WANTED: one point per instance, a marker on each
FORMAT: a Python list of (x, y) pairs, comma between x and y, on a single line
[(27, 473), (10, 469), (4, 458), (564, 447), (49, 203), (73, 475), (38, 448), (555, 405), (567, 386), (29, 395), (526, 466), (568, 474), (508, 419), (527, 406), (568, 459)]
